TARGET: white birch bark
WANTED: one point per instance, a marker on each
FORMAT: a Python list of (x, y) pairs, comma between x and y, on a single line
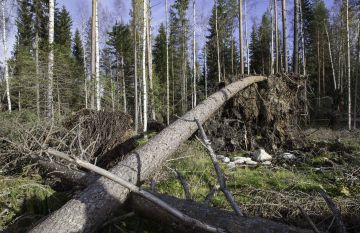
[(246, 39), (97, 65), (93, 54), (167, 66), (50, 97), (136, 107), (331, 57), (84, 61), (194, 55), (217, 42), (6, 68), (145, 100), (150, 61), (348, 67), (286, 69), (241, 48)]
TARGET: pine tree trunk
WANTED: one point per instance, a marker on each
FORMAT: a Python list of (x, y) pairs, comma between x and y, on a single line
[(286, 69), (330, 54), (217, 42), (357, 81), (302, 33), (144, 82), (136, 107), (84, 62), (123, 84), (194, 56), (241, 36), (272, 41), (318, 67), (167, 66), (98, 202), (206, 74), (348, 67), (50, 97), (296, 39), (276, 38), (150, 62)]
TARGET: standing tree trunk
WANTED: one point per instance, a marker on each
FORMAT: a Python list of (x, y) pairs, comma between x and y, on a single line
[(150, 62), (93, 53), (330, 54), (167, 66), (241, 49), (357, 80), (123, 84), (286, 69), (206, 74), (194, 55), (136, 107), (296, 39), (97, 54), (272, 40), (145, 100), (246, 40), (50, 97), (6, 67), (217, 42), (302, 33), (276, 38), (318, 66), (84, 62), (348, 67), (37, 70)]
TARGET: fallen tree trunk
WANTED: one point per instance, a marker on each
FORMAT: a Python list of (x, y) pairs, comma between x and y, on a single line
[(221, 219), (216, 217), (97, 202)]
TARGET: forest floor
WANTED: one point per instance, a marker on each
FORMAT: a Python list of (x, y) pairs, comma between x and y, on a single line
[(329, 160)]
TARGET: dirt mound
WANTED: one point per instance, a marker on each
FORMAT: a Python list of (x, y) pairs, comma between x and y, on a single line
[(263, 115)]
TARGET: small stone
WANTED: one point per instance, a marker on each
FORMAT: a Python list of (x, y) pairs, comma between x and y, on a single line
[(226, 160), (261, 155), (288, 156), (220, 157), (251, 162), (266, 163), (231, 165), (241, 160)]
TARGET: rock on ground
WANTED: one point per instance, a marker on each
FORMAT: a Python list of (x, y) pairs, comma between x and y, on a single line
[(261, 155)]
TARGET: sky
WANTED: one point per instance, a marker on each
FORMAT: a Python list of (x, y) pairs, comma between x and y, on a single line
[(119, 10)]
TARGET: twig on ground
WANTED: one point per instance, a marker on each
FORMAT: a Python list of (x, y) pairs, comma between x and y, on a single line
[(334, 209), (184, 184), (211, 194), (312, 224), (220, 176)]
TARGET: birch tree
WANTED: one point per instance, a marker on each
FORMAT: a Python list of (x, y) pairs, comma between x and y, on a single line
[(348, 68), (6, 68), (167, 65), (144, 82), (194, 55), (330, 55), (241, 49), (217, 41), (136, 107), (97, 60), (284, 36), (296, 39), (93, 53), (150, 62), (276, 37), (50, 98)]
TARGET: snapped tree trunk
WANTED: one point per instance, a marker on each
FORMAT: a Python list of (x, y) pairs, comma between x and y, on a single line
[(50, 96), (97, 203)]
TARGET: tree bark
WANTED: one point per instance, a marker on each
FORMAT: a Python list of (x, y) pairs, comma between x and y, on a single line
[(167, 66), (50, 96), (6, 68), (144, 81), (296, 39), (97, 60), (194, 55), (276, 38), (150, 62), (241, 49), (246, 39), (136, 120), (37, 71), (123, 84), (284, 36), (217, 42), (222, 219), (98, 202), (348, 68)]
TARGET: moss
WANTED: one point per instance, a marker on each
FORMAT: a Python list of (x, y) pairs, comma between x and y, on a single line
[(26, 196)]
